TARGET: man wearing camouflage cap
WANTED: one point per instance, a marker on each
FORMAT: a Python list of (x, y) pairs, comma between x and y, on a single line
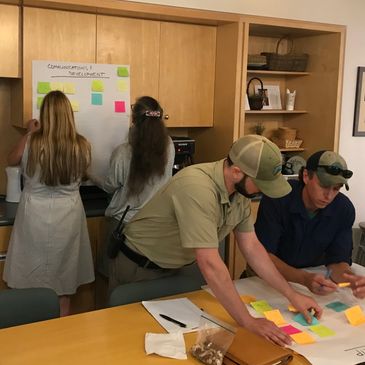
[(312, 226), (188, 217)]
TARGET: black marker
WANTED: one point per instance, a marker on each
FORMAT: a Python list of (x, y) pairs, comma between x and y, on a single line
[(164, 316)]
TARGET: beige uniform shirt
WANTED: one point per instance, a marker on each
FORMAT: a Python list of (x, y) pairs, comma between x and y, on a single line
[(191, 211)]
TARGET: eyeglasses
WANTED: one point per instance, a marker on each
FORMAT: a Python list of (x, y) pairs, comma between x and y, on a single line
[(335, 170)]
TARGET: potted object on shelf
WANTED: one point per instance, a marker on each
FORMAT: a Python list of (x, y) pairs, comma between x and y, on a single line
[(256, 100), (259, 128), (287, 138)]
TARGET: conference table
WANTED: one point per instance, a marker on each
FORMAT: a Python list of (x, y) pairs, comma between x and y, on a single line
[(108, 336)]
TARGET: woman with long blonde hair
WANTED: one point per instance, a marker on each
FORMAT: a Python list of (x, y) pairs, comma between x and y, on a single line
[(49, 244)]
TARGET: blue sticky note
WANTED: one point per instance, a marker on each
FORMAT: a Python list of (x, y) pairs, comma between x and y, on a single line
[(300, 319), (96, 99), (337, 306)]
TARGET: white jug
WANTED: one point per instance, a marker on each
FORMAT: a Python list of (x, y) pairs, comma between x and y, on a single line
[(13, 188)]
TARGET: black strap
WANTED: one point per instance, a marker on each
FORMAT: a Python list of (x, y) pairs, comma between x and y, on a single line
[(140, 260)]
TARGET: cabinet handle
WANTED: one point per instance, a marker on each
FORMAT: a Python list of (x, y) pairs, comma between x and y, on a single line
[(167, 116)]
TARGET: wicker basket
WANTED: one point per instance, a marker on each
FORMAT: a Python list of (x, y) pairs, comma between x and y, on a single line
[(285, 133), (288, 143), (286, 62), (256, 100)]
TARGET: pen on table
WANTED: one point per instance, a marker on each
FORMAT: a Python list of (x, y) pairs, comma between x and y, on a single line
[(164, 316)]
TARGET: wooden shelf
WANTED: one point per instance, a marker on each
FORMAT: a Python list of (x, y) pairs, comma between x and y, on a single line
[(291, 149), (282, 73), (275, 111)]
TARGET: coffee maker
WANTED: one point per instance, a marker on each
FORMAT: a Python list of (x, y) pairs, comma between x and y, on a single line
[(184, 152)]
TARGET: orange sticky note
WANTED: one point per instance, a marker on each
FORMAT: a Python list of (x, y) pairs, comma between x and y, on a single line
[(343, 285), (247, 299), (303, 338), (291, 308), (355, 315), (275, 316)]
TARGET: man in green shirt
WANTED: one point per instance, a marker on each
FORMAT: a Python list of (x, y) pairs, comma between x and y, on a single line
[(188, 217)]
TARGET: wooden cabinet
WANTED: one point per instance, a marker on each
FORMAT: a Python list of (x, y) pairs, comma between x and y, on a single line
[(317, 105), (172, 62), (187, 69), (5, 232), (9, 41), (51, 35), (134, 42)]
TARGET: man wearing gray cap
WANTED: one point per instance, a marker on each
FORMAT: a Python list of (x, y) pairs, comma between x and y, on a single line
[(188, 217), (312, 226)]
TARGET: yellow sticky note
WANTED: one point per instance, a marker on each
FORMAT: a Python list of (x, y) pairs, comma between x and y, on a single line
[(122, 85), (69, 88), (291, 308), (97, 85), (343, 285), (247, 299), (275, 316), (355, 315), (75, 106), (56, 86), (302, 338)]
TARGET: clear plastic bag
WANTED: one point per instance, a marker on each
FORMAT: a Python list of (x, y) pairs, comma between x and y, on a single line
[(213, 340)]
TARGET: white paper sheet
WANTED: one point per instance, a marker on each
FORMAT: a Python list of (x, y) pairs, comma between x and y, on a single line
[(181, 309), (347, 347)]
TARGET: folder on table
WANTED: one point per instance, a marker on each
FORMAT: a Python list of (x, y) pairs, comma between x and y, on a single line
[(250, 349)]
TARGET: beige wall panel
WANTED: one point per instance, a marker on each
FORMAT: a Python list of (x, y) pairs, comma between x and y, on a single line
[(187, 65), (134, 42), (55, 35), (9, 41)]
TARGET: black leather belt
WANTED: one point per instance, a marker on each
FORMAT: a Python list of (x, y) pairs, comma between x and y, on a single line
[(138, 259)]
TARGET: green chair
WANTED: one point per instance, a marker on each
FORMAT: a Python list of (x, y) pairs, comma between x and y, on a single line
[(22, 306), (188, 279)]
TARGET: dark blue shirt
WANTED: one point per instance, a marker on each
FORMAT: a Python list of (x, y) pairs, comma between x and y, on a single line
[(284, 227)]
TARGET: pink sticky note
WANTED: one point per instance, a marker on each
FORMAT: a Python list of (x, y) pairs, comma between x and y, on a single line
[(289, 329), (119, 106)]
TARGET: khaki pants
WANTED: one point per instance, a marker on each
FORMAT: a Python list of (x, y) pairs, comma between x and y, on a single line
[(122, 271)]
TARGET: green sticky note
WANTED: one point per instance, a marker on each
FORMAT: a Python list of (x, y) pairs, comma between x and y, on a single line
[(97, 85), (300, 319), (96, 99), (122, 85), (69, 88), (337, 306), (322, 331), (122, 72), (43, 87), (56, 86), (39, 101), (261, 306)]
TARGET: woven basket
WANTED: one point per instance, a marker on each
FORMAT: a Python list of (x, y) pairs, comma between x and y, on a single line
[(256, 100), (285, 133), (286, 62), (287, 143)]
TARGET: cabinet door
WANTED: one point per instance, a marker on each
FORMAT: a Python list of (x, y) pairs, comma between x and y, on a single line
[(9, 41), (5, 233), (187, 68), (133, 42), (58, 36)]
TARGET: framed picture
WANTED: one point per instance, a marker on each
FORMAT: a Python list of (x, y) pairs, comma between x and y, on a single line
[(271, 96), (359, 117)]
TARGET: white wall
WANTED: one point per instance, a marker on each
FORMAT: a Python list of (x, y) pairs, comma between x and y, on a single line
[(346, 12)]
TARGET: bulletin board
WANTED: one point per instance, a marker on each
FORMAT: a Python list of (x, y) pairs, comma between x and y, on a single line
[(100, 98)]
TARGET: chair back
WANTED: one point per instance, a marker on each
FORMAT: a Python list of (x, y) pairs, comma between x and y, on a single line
[(157, 288), (21, 306)]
